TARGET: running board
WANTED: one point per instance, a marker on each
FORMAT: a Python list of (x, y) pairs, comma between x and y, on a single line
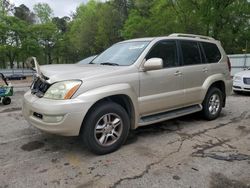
[(163, 116)]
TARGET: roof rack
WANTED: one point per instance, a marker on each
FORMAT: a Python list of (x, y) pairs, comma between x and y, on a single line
[(191, 35)]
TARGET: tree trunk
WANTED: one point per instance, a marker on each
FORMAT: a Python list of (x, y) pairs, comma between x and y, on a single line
[(49, 56), (2, 63)]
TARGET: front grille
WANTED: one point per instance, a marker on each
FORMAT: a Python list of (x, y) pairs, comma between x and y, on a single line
[(246, 81), (39, 87)]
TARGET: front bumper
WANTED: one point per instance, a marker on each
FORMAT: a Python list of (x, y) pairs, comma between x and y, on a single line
[(240, 86), (65, 116)]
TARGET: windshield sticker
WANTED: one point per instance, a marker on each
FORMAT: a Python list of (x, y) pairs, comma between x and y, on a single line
[(136, 47)]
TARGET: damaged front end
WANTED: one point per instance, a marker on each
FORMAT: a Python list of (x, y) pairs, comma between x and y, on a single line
[(39, 85)]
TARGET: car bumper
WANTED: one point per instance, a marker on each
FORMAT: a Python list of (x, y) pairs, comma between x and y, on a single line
[(240, 86), (63, 117)]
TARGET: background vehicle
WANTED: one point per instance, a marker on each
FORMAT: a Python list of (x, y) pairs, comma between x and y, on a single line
[(241, 81), (5, 91), (133, 83), (16, 77)]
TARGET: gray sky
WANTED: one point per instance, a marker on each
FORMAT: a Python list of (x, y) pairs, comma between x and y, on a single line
[(60, 7)]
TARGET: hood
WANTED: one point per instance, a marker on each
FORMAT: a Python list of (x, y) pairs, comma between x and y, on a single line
[(60, 72), (245, 73)]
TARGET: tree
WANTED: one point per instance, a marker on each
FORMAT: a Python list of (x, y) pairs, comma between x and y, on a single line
[(98, 24), (5, 7), (61, 23), (95, 27), (83, 29), (123, 7), (43, 12), (47, 37), (108, 30), (227, 21), (12, 33), (23, 13), (135, 26)]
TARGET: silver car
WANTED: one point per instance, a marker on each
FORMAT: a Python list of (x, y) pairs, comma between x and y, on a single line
[(131, 84)]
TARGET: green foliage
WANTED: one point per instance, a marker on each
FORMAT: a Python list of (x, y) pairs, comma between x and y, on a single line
[(95, 27), (98, 24), (12, 33), (61, 23), (23, 13), (43, 12), (227, 21), (5, 7)]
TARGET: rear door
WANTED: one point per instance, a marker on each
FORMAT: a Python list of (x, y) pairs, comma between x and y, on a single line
[(194, 71)]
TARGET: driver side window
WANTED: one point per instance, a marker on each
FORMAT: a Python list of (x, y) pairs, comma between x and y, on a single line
[(167, 51)]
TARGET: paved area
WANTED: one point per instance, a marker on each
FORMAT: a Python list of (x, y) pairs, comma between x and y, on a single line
[(184, 152)]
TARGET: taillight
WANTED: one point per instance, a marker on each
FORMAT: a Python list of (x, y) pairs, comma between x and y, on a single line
[(229, 64)]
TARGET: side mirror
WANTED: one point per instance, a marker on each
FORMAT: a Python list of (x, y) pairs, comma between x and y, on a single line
[(153, 64)]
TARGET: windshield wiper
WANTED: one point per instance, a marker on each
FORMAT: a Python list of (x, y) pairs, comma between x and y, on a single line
[(108, 63)]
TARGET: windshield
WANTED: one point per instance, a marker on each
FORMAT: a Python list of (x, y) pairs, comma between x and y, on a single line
[(123, 54)]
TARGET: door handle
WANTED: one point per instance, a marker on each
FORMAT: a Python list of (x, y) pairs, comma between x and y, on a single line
[(205, 70), (178, 73)]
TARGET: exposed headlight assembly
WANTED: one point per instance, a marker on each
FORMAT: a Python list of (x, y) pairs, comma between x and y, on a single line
[(63, 90)]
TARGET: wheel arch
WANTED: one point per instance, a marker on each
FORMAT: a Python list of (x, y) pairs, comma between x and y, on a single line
[(217, 82), (123, 100)]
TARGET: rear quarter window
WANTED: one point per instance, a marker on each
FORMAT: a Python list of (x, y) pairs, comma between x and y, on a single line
[(212, 53)]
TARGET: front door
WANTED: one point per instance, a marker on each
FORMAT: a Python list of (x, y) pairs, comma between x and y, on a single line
[(162, 90)]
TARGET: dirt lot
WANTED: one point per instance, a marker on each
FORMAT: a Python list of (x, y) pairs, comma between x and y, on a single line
[(184, 152)]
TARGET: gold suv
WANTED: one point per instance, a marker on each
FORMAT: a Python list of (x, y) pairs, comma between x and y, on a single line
[(131, 84)]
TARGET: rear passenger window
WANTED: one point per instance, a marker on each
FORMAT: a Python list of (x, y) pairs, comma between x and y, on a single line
[(190, 52), (167, 51), (212, 52)]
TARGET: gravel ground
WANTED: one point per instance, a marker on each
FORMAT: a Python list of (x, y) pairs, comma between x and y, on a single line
[(184, 152)]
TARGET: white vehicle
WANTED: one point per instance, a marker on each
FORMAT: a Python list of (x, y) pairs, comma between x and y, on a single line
[(241, 81)]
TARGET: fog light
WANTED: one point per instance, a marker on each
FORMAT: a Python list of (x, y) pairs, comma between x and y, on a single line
[(52, 119)]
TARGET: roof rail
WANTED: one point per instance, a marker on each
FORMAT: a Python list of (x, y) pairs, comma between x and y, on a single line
[(191, 35)]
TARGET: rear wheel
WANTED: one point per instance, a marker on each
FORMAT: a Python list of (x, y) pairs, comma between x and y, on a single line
[(106, 128), (212, 104), (6, 101)]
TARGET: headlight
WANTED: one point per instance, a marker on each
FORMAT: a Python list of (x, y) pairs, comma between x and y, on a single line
[(237, 78), (63, 90)]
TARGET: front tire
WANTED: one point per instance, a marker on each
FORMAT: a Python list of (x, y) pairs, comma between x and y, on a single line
[(212, 104), (105, 128)]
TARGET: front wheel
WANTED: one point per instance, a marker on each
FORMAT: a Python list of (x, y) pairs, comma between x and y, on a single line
[(106, 128), (212, 104)]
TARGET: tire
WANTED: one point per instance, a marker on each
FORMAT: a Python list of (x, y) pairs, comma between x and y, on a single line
[(212, 104), (6, 101), (105, 128)]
